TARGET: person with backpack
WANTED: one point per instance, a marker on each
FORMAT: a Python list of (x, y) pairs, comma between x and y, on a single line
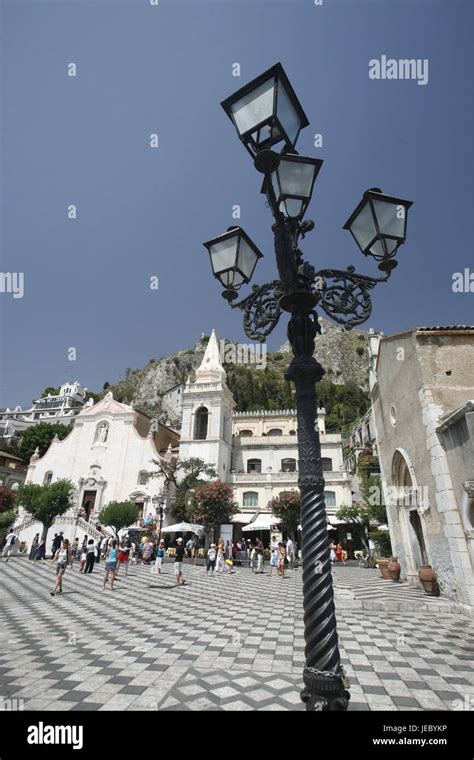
[(211, 559), (63, 558), (90, 556), (9, 545)]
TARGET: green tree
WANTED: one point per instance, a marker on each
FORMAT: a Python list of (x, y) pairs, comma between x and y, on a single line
[(185, 475), (40, 436), (8, 509), (45, 503), (118, 515), (50, 391), (358, 517), (212, 504), (287, 507)]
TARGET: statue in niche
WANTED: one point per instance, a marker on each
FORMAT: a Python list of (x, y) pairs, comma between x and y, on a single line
[(103, 432)]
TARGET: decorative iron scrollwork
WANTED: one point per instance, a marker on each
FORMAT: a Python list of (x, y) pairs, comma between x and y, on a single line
[(344, 295), (261, 310)]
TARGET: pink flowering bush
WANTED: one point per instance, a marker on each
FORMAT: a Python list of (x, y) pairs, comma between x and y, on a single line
[(213, 503)]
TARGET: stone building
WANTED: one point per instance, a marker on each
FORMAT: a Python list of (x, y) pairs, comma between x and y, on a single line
[(422, 391)]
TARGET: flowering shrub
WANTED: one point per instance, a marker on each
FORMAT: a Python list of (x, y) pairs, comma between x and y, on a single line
[(287, 507), (213, 503)]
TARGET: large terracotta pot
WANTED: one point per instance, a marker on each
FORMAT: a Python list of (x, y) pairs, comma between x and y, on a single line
[(428, 578), (394, 569), (383, 567)]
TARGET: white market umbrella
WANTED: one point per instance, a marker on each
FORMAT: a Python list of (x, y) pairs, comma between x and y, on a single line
[(263, 522), (183, 527)]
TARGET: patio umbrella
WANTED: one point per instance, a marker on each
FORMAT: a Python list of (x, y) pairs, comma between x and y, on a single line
[(183, 527)]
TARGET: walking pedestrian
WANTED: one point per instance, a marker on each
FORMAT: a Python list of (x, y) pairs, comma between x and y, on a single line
[(63, 558), (123, 556), (40, 553), (211, 559), (281, 559), (160, 553), (57, 541), (332, 552), (90, 556), (75, 548), (104, 544), (147, 550), (178, 562), (253, 558), (9, 546), (273, 554), (290, 552), (259, 548), (191, 547), (34, 546), (97, 550), (340, 554), (220, 556), (83, 561), (111, 558)]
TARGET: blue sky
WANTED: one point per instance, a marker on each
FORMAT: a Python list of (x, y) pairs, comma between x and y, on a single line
[(144, 212)]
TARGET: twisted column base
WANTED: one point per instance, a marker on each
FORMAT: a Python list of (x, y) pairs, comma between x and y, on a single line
[(324, 691)]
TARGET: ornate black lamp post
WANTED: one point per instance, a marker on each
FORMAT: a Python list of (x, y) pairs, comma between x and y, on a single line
[(266, 112), (159, 501)]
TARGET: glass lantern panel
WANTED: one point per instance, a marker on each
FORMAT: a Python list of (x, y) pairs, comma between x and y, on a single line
[(391, 218), (363, 227), (379, 249), (223, 254), (296, 178), (291, 207), (287, 114), (255, 107), (247, 258), (231, 278)]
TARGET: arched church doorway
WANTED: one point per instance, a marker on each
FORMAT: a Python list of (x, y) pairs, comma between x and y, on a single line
[(88, 501), (410, 520)]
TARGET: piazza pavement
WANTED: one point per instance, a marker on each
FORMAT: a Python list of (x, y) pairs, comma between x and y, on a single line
[(230, 642)]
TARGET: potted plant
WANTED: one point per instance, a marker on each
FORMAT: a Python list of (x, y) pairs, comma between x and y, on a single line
[(394, 568), (429, 580)]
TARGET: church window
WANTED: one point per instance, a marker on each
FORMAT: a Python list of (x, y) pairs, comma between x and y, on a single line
[(47, 478), (201, 422), (327, 464), (254, 465), (142, 478), (275, 431), (245, 433), (250, 499)]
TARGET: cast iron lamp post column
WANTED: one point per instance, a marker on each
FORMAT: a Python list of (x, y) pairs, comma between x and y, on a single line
[(266, 111)]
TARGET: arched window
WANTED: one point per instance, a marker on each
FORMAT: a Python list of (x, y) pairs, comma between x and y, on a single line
[(142, 478), (48, 476), (288, 465), (254, 465), (245, 433), (200, 425), (250, 499), (330, 498), (327, 464), (275, 431)]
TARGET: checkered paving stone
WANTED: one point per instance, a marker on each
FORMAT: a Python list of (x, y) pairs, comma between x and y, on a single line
[(231, 642)]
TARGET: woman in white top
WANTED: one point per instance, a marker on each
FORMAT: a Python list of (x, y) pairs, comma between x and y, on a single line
[(63, 558)]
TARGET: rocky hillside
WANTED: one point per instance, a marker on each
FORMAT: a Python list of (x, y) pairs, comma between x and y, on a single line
[(343, 354)]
